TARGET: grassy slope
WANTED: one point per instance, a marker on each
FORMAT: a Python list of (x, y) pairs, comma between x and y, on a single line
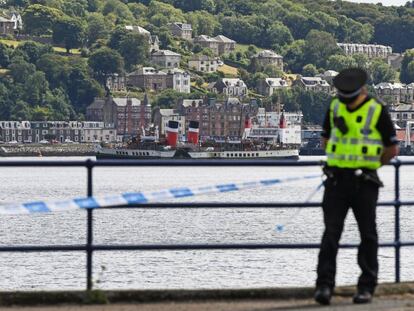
[(57, 49)]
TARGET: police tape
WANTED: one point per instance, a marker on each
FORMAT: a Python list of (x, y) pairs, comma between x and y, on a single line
[(137, 198)]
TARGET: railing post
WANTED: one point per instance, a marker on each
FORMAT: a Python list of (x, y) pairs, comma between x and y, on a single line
[(89, 233), (397, 206)]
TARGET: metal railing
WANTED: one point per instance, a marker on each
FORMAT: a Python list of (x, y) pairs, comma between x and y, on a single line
[(89, 247)]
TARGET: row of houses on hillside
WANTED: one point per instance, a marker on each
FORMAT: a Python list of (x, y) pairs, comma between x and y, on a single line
[(59, 131), (395, 93)]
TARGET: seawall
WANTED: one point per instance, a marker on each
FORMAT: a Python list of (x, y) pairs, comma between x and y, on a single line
[(33, 150)]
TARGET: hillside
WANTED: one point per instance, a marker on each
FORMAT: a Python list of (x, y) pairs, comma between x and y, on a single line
[(89, 43)]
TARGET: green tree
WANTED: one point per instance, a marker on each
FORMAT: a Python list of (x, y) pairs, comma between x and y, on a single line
[(407, 70), (39, 19), (56, 69), (5, 54), (381, 72), (319, 46), (294, 55), (70, 32), (105, 62), (35, 88), (309, 70), (97, 28), (134, 48), (34, 50), (341, 62), (278, 35), (119, 10), (20, 70)]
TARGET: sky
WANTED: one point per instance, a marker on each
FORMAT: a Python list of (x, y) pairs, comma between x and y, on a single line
[(384, 2)]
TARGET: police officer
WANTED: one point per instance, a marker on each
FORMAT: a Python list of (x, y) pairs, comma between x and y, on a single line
[(359, 137)]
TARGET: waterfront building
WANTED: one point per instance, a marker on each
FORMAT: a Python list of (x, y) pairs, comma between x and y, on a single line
[(166, 59), (229, 87), (127, 115), (98, 132), (272, 118), (181, 30), (268, 86), (395, 93), (217, 118), (268, 57), (163, 116), (204, 63), (61, 131), (19, 131), (370, 50)]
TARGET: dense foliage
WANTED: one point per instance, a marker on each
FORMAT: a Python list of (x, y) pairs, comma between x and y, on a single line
[(38, 83)]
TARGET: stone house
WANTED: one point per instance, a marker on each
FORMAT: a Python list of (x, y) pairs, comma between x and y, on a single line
[(6, 26), (166, 59), (153, 41), (316, 84), (267, 86), (149, 78), (204, 63), (268, 57), (162, 116), (179, 80), (116, 83), (181, 30), (207, 42), (395, 93), (230, 87), (225, 45)]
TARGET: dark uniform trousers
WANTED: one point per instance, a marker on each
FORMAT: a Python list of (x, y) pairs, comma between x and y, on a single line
[(346, 190)]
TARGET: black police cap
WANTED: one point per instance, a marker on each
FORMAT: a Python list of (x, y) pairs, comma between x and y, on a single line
[(350, 81)]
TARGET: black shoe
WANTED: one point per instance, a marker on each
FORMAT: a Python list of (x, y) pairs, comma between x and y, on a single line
[(323, 295), (363, 296)]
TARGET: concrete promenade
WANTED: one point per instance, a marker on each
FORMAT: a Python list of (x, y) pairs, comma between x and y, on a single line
[(388, 297), (392, 303)]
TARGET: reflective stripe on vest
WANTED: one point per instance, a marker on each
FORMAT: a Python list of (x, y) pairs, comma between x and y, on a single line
[(353, 158)]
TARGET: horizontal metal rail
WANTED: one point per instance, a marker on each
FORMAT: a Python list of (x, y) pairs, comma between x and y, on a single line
[(91, 247)]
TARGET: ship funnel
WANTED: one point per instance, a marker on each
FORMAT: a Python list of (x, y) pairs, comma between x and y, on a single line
[(172, 133), (282, 122), (247, 122), (193, 132)]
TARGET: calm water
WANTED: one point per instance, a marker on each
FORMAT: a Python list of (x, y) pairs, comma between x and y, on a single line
[(185, 269)]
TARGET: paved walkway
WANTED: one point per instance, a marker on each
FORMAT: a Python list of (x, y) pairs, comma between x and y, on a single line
[(391, 303)]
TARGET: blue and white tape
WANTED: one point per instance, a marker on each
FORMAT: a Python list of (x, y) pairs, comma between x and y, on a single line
[(137, 198)]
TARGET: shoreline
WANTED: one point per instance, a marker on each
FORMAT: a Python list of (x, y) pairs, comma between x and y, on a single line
[(37, 150)]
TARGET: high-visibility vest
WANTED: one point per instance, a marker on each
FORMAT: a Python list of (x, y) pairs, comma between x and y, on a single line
[(361, 146)]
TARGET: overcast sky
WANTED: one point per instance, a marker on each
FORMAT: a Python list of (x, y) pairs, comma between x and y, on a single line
[(384, 2)]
